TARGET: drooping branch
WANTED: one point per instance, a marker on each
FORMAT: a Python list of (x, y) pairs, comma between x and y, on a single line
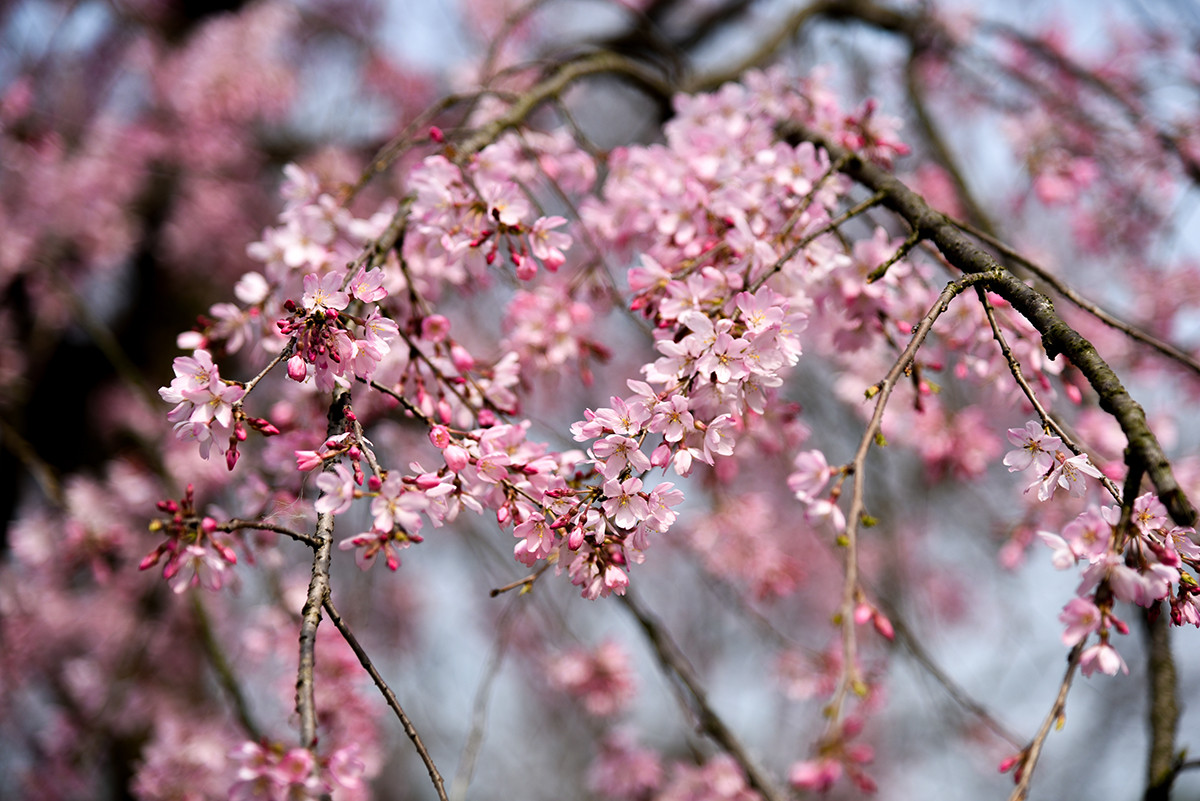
[(676, 665), (1143, 450), (393, 703)]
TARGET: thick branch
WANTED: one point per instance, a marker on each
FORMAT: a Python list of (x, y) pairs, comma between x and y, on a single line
[(1143, 448), (1164, 707)]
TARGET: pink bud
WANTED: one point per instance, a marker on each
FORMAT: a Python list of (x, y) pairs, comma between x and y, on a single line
[(445, 413), (374, 483), (307, 460), (461, 357), (226, 553), (502, 515), (435, 133), (575, 538), (231, 457), (427, 481), (883, 626), (208, 525), (297, 370), (862, 613), (487, 418), (151, 559)]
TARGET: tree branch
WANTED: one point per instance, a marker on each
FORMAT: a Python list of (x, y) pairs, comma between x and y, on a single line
[(675, 664), (1163, 717), (1057, 337), (318, 592), (388, 695)]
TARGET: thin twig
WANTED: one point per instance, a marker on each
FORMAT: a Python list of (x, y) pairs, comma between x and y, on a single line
[(388, 695), (1034, 750), (1014, 367), (237, 524), (881, 391), (675, 664)]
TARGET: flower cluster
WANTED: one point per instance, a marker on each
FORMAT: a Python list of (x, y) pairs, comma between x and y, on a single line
[(325, 344), (1053, 467), (1140, 563), (269, 772), (465, 217)]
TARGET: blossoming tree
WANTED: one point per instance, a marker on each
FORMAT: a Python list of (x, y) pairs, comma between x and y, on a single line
[(624, 413)]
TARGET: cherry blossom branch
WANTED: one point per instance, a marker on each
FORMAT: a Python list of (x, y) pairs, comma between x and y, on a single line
[(849, 680), (676, 664), (1057, 337), (1131, 331), (318, 592), (348, 635), (1029, 758)]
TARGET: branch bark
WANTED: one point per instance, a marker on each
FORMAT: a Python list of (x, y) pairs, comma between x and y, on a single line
[(318, 592)]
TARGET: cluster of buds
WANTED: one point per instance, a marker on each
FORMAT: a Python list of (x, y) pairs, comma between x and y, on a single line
[(196, 555)]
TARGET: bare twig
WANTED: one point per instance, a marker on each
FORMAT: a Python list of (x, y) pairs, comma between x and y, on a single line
[(237, 524), (1034, 750), (388, 695), (676, 664), (849, 680)]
